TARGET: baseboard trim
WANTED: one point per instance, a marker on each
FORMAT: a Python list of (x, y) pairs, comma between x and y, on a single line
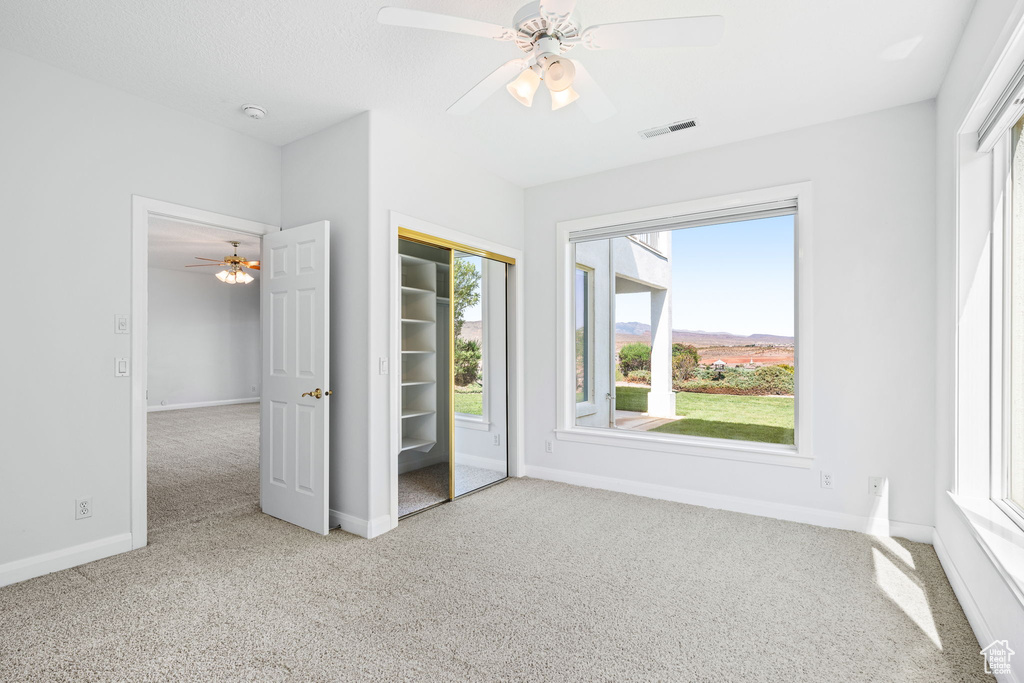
[(971, 610), (367, 528), (47, 563), (202, 404), (792, 513)]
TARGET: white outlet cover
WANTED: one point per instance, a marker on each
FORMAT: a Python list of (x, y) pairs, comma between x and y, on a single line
[(83, 508)]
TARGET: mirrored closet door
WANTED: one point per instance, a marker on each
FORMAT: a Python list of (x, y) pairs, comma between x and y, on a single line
[(454, 382)]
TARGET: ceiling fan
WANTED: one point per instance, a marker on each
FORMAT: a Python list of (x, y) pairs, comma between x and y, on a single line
[(235, 273), (545, 31)]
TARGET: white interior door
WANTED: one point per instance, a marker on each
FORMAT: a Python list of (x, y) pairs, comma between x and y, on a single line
[(294, 296)]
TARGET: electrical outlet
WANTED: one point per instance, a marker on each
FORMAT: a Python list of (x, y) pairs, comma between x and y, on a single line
[(826, 480), (549, 446), (497, 439), (252, 388), (83, 508), (382, 365), (875, 485)]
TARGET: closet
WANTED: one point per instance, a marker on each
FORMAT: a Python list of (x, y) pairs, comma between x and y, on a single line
[(454, 418)]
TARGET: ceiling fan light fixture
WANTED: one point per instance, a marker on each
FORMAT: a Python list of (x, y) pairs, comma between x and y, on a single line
[(562, 98), (524, 87), (224, 275), (559, 74)]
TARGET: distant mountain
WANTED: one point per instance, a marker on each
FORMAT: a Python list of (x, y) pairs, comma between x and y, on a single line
[(642, 332)]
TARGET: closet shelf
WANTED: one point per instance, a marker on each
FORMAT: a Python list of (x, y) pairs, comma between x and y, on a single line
[(409, 444), (406, 289), (404, 351), (416, 384), (416, 413), (417, 259), (417, 320)]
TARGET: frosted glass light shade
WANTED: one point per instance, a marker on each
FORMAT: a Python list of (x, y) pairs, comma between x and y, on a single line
[(559, 75), (524, 87), (563, 97), (235, 277)]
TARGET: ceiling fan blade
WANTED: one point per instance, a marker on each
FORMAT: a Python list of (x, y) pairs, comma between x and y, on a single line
[(594, 103), (412, 18), (255, 265), (200, 258), (205, 265), (556, 11), (487, 87), (675, 32)]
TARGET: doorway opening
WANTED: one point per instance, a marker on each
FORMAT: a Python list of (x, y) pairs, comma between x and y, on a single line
[(202, 390), (454, 385), (203, 370)]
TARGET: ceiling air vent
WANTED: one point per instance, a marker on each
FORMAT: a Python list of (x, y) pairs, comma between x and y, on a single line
[(670, 128)]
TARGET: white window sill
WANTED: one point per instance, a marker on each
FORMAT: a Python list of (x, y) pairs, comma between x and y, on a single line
[(999, 538), (585, 408), (726, 449), (466, 421)]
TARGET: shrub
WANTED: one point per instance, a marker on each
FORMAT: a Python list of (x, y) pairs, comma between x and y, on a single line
[(772, 379), (467, 361), (639, 377), (635, 356), (685, 361)]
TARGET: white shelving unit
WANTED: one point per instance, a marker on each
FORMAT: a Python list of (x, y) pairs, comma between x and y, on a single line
[(419, 353)]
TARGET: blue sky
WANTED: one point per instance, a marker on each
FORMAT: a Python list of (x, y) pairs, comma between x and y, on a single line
[(736, 277)]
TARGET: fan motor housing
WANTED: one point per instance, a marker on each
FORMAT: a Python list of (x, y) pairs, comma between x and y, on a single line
[(532, 28)]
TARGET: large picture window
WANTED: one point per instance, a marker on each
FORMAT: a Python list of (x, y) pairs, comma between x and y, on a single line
[(694, 327)]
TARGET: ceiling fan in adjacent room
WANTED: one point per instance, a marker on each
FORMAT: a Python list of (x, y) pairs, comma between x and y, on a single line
[(235, 273), (545, 31)]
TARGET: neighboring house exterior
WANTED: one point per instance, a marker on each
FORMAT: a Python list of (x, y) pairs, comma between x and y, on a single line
[(638, 263), (718, 365)]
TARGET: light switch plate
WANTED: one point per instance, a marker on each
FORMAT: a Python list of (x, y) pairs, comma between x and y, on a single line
[(120, 367), (121, 324)]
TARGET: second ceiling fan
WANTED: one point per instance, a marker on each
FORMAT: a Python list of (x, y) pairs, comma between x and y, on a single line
[(545, 31)]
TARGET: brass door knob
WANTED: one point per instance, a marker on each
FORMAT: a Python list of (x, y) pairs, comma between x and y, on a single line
[(328, 392), (316, 393)]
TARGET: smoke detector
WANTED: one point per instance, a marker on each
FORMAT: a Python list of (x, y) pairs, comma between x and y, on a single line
[(253, 111)]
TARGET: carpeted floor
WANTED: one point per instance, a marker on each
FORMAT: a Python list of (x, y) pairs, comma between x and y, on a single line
[(530, 580), (201, 462), (428, 486)]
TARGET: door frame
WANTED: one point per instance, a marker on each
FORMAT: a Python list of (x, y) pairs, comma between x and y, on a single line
[(514, 316), (142, 209)]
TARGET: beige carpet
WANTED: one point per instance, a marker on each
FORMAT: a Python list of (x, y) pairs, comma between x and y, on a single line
[(202, 461), (529, 580)]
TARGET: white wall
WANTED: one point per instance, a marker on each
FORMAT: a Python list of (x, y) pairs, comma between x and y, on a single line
[(204, 339), (993, 609), (874, 269), (66, 185), (326, 176)]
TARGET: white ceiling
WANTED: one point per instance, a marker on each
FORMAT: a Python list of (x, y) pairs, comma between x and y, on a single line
[(174, 244), (782, 64)]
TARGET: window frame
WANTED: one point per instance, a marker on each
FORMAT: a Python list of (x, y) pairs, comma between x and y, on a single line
[(798, 455), (1002, 328)]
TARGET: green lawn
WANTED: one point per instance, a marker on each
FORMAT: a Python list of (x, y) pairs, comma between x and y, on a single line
[(768, 419), (469, 400)]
